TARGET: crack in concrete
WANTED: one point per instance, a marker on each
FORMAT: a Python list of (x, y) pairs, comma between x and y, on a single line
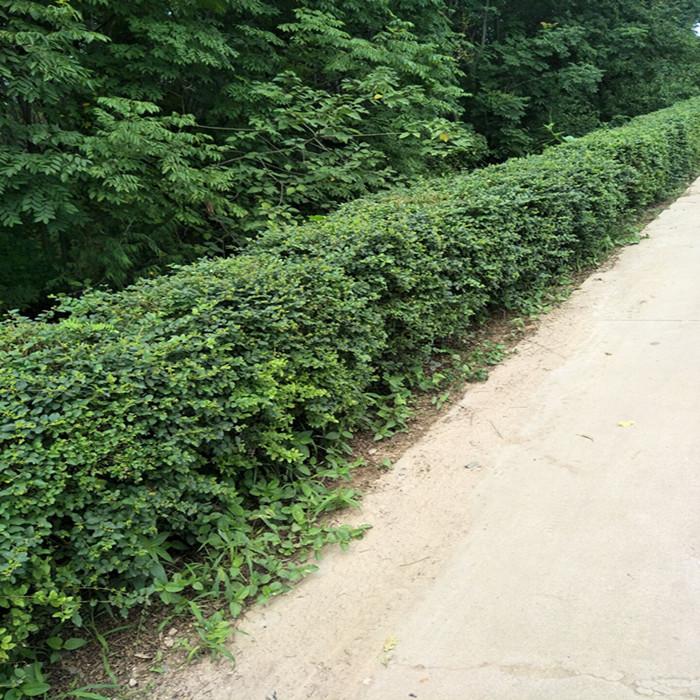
[(658, 687), (668, 687), (673, 688)]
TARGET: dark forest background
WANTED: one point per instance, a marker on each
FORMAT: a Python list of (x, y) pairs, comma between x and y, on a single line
[(138, 135)]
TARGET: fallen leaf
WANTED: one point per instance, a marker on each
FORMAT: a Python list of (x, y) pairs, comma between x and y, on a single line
[(390, 643), (588, 437), (625, 423)]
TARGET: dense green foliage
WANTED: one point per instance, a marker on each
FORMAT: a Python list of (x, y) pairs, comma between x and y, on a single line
[(572, 65), (203, 408), (134, 135)]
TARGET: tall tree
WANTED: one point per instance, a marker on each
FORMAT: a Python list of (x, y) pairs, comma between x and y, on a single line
[(138, 134), (92, 186), (135, 135), (572, 64)]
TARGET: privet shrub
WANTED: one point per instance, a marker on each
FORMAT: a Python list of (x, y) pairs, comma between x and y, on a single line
[(131, 421), (436, 256), (145, 411)]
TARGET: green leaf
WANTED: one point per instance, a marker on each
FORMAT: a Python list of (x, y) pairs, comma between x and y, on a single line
[(173, 587), (74, 643), (55, 642), (34, 688), (298, 513)]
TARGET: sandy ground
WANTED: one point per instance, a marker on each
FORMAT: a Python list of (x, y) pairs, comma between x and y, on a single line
[(542, 541)]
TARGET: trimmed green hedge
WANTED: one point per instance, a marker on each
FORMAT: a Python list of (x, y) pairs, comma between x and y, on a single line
[(131, 422)]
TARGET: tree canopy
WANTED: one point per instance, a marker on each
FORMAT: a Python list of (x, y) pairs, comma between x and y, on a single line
[(137, 135), (573, 65)]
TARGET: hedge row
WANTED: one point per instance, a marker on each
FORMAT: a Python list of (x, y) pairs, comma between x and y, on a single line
[(130, 421)]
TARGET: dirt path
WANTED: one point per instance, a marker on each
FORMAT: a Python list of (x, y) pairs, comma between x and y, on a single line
[(542, 541)]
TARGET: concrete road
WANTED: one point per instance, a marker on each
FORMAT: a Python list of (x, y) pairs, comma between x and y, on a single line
[(564, 562)]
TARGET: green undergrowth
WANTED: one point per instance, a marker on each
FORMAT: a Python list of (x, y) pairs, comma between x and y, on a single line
[(182, 440)]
